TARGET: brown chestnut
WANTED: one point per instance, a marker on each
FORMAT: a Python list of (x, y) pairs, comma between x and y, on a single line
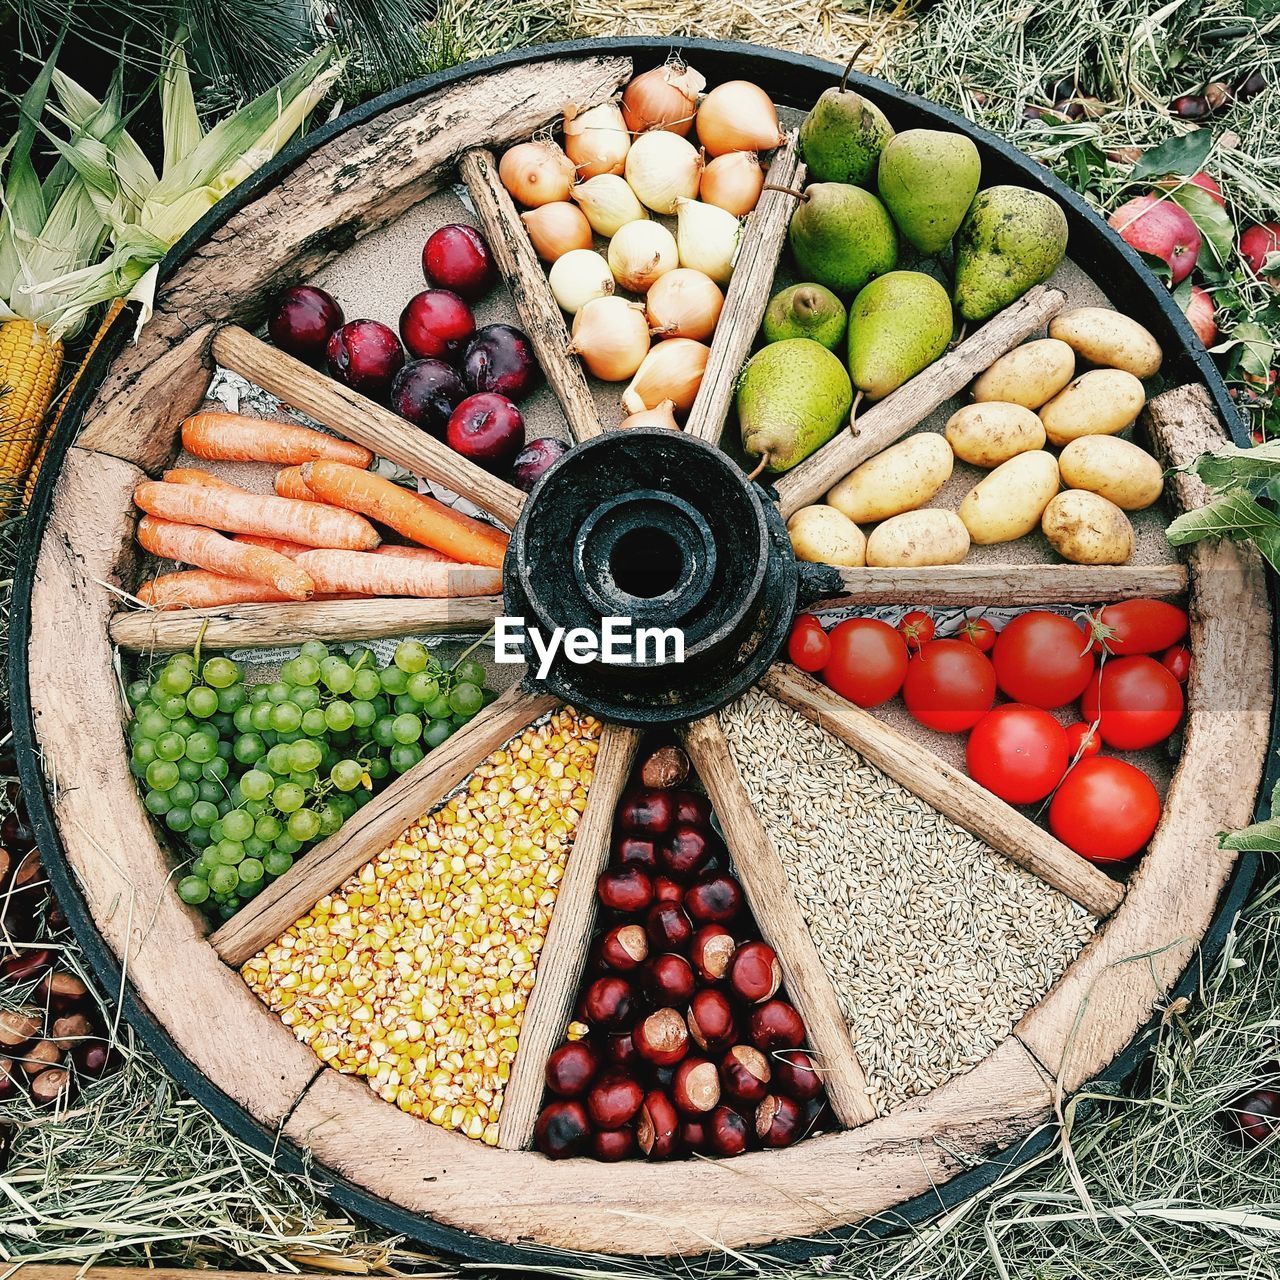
[(1249, 86), (691, 809), (8, 1078), (610, 1004), (42, 1054), (693, 1134), (665, 889), (668, 927), (779, 1121), (664, 768), (613, 1100), (562, 1129), (17, 1026), (571, 1068), (635, 851), (755, 974), (727, 1132), (669, 978), (711, 1021), (662, 1038), (625, 889), (646, 811), (69, 1029), (613, 1144), (624, 947), (51, 1086), (744, 1072), (795, 1075), (621, 1051), (1191, 106), (23, 966), (60, 992), (658, 1126), (695, 1088), (685, 852), (93, 1058), (711, 952), (714, 899), (776, 1025)]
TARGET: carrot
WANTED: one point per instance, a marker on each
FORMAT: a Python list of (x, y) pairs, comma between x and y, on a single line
[(236, 439), (200, 589), (379, 575), (308, 522), (427, 555), (194, 475), (415, 516), (281, 546), (289, 484), (208, 550)]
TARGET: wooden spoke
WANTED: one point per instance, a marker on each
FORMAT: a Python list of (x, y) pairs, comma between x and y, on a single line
[(759, 249), (879, 426), (360, 419), (523, 275), (267, 626), (375, 826), (782, 923), (995, 585), (948, 790), (564, 951)]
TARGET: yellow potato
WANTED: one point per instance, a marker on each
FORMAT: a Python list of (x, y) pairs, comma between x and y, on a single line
[(918, 538), (1101, 402), (1028, 375), (1087, 529), (1117, 470), (992, 432), (821, 535), (901, 478), (1106, 337), (1011, 500)]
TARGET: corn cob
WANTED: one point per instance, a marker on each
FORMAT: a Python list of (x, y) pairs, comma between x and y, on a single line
[(29, 365)]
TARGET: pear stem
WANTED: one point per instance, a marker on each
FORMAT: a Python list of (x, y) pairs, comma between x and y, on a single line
[(959, 338), (853, 413), (848, 66), (794, 192), (759, 467)]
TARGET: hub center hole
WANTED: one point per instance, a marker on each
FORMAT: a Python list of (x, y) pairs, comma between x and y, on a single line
[(646, 562)]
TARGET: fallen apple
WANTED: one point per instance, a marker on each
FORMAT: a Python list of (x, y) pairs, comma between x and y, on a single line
[(1260, 240), (1199, 312), (1161, 228)]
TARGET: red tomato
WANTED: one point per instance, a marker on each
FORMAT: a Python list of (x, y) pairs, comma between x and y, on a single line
[(917, 629), (979, 633), (1136, 701), (1105, 810), (868, 661), (1139, 626), (1043, 659), (950, 686), (1018, 753), (807, 646), (1177, 662), (1082, 740)]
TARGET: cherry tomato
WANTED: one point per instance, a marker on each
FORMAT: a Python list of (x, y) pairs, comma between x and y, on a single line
[(1082, 740), (1042, 659), (868, 661), (1018, 753), (1177, 662), (1105, 810), (950, 686), (808, 647), (979, 633), (1138, 626), (917, 629), (1136, 701)]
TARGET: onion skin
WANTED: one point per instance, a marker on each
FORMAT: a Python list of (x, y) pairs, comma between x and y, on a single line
[(661, 168), (597, 140), (663, 98), (556, 228), (673, 371), (641, 253), (738, 116), (684, 304), (537, 173), (733, 182), (661, 416)]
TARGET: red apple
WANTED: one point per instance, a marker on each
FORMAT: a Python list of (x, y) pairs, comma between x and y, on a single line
[(1201, 180), (1199, 311), (437, 325), (1162, 229), (1261, 239), (488, 429), (456, 257)]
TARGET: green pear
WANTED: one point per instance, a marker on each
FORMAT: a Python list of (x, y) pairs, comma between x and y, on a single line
[(842, 137), (805, 311), (792, 397), (927, 180), (1010, 240), (898, 324), (842, 236)]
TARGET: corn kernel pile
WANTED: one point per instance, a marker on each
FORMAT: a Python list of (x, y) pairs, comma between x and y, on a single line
[(415, 973)]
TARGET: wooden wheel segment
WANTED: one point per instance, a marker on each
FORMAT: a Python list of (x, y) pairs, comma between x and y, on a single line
[(87, 560)]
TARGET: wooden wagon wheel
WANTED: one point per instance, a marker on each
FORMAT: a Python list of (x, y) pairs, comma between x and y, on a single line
[(188, 980)]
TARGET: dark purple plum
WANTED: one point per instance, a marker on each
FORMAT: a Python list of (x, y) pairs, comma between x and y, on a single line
[(487, 429), (427, 392), (366, 356), (534, 459), (302, 320), (500, 358)]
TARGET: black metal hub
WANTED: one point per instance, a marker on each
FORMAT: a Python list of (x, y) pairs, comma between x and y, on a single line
[(663, 531)]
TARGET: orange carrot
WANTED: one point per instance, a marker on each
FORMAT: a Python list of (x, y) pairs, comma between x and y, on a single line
[(192, 544), (289, 484), (194, 475), (281, 546), (378, 575), (427, 555), (200, 589), (415, 516), (237, 439), (312, 523)]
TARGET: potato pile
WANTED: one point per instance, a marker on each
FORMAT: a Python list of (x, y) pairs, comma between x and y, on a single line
[(1027, 402)]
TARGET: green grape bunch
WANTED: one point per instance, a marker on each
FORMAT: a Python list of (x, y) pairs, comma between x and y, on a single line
[(247, 778)]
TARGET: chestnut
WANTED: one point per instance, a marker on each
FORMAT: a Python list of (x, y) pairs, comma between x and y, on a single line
[(69, 1029), (685, 852), (25, 965), (42, 1054), (613, 1144), (795, 1075), (665, 889), (745, 1074), (691, 809), (668, 927), (571, 1068), (658, 1126), (662, 1038), (625, 889), (610, 1004), (1254, 1117), (646, 811), (727, 1132), (93, 1058), (60, 992), (693, 1134), (51, 1086), (695, 1087), (8, 1079), (776, 1025), (635, 851), (711, 1021), (711, 952), (714, 899), (755, 974), (17, 1026), (670, 978), (779, 1121), (562, 1129), (613, 1100), (624, 947), (621, 1051), (664, 768)]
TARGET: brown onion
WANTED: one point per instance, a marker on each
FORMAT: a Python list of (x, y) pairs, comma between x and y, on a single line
[(738, 116), (663, 416), (684, 304), (663, 98), (733, 182), (596, 141), (671, 371), (537, 173), (556, 228)]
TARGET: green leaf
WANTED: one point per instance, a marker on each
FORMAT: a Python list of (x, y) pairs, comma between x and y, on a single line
[(1183, 154), (1236, 514), (1219, 243), (1257, 348), (180, 120), (1261, 837), (1231, 466)]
